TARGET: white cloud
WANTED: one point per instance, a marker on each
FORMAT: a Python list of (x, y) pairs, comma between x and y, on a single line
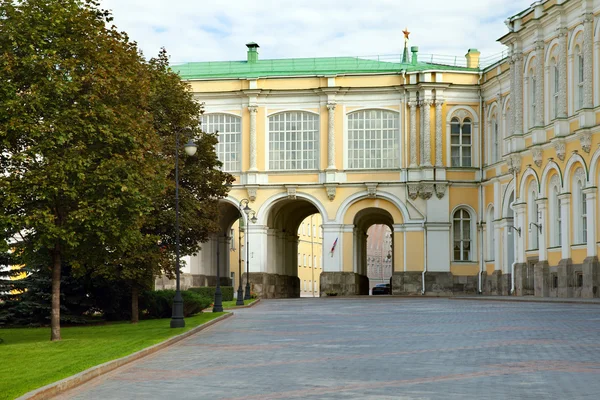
[(217, 30)]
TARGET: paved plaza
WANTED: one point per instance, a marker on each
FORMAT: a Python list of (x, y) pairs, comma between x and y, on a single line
[(375, 348)]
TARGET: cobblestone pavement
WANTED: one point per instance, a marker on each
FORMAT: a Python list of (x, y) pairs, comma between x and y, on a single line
[(383, 348)]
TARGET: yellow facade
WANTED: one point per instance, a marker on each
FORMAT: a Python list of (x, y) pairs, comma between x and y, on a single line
[(470, 168)]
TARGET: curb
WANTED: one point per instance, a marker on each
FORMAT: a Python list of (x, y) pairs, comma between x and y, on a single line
[(56, 388), (518, 300), (248, 306)]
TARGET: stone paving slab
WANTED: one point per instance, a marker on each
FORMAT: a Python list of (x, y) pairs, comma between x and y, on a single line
[(388, 348)]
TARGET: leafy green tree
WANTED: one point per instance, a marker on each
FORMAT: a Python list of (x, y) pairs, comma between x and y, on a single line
[(80, 161)]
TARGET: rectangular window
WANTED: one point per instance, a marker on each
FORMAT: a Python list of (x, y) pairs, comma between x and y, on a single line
[(229, 128), (293, 141), (373, 139)]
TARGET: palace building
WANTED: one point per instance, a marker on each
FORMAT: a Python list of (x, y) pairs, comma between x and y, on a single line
[(485, 171)]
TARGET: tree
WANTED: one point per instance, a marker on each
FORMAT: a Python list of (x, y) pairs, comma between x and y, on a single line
[(174, 109), (80, 161)]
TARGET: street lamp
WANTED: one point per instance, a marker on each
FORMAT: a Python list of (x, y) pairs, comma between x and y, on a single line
[(247, 211), (177, 320)]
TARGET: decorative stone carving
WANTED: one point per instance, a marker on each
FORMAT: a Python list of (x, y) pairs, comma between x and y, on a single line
[(426, 136), (518, 93), (539, 88), (438, 132), (251, 192), (331, 135), (413, 191), (555, 182), (253, 111), (371, 189), (562, 73), (291, 192), (462, 114), (588, 54), (514, 163), (413, 133), (560, 147), (440, 190), (426, 190), (580, 176), (331, 189), (538, 154), (586, 141)]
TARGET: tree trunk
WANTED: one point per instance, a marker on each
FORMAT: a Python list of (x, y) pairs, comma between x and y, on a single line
[(135, 316), (55, 314)]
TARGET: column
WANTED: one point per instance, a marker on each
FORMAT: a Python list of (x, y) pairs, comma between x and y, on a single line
[(590, 198), (438, 132), (331, 136), (332, 261), (421, 129), (518, 93), (498, 255), (565, 222), (426, 133), (511, 114), (539, 78), (543, 221), (413, 133), (562, 73), (588, 56), (253, 110)]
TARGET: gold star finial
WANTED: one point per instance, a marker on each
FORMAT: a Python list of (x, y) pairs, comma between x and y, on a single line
[(406, 33)]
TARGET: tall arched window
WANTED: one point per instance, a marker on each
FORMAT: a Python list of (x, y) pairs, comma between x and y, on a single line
[(460, 142), (491, 233), (555, 214), (373, 139), (580, 207), (494, 138), (229, 128), (554, 87), (462, 235), (579, 77), (293, 141), (532, 211)]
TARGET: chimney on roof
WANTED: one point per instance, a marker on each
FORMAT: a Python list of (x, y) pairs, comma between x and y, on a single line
[(473, 58), (414, 50), (252, 52)]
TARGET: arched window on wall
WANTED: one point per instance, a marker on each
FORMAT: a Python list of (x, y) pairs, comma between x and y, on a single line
[(462, 246), (531, 95), (293, 138), (580, 207), (578, 77), (532, 212), (555, 215), (460, 141), (373, 139), (229, 128), (554, 87), (491, 233), (495, 140)]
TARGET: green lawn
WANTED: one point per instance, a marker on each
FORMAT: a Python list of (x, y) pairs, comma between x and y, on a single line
[(29, 360), (231, 304)]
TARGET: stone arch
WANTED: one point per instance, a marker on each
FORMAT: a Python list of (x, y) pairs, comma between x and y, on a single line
[(378, 203), (510, 190), (281, 111), (574, 161), (343, 208), (263, 212), (550, 50), (546, 175), (526, 178), (594, 166), (575, 36), (372, 108)]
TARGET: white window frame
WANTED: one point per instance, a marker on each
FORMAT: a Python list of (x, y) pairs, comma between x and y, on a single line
[(464, 215), (463, 148), (579, 74), (373, 139), (555, 212), (293, 141), (532, 211), (555, 85), (491, 235), (580, 207), (229, 147), (532, 99)]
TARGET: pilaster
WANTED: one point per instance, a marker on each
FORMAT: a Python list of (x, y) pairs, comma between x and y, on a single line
[(331, 136), (438, 132), (253, 111), (565, 211), (413, 133)]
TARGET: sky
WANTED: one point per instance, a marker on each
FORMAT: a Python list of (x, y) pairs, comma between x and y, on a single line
[(216, 30)]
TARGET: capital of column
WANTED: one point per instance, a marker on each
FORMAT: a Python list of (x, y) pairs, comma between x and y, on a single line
[(542, 203), (565, 198), (253, 109), (590, 192), (331, 106), (413, 104)]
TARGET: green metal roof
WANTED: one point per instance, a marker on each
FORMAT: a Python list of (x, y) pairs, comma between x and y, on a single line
[(303, 67)]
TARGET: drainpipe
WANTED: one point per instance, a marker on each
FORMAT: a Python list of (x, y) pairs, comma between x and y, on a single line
[(481, 253), (515, 238), (424, 256)]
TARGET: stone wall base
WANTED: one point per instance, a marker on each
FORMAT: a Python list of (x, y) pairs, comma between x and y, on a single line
[(273, 286), (496, 284), (436, 284), (524, 279), (187, 281), (591, 278), (343, 283), (541, 279)]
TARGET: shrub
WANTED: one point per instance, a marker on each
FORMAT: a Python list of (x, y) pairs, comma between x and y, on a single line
[(159, 303), (209, 292)]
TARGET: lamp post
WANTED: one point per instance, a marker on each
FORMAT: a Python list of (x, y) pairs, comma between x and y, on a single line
[(218, 304), (240, 291), (251, 217), (177, 320)]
